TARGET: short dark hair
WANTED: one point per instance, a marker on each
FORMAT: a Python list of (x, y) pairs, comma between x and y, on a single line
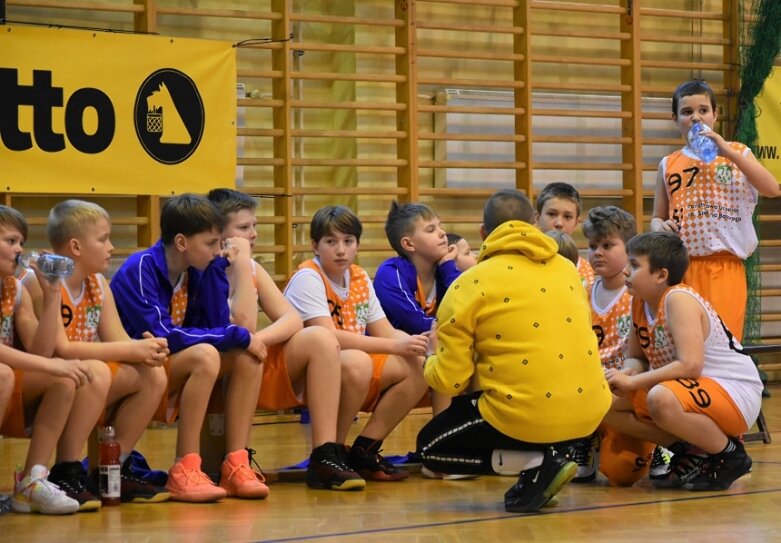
[(11, 218), (664, 250), (558, 189), (188, 214), (231, 201), (604, 221), (401, 222), (329, 219), (452, 238), (692, 88), (506, 205)]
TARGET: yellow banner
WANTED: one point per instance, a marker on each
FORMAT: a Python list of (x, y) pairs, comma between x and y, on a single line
[(768, 146), (109, 113)]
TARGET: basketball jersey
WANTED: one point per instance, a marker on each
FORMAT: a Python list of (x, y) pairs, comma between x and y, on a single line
[(11, 297), (349, 313), (178, 305), (586, 272), (81, 313), (612, 325), (723, 360), (711, 203)]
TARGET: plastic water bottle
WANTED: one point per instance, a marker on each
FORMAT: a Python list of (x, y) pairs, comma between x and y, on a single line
[(109, 469), (700, 144), (52, 266)]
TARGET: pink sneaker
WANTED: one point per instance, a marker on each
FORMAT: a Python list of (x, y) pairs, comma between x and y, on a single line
[(187, 483), (239, 479)]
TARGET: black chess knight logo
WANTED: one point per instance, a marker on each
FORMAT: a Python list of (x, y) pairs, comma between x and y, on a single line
[(169, 116)]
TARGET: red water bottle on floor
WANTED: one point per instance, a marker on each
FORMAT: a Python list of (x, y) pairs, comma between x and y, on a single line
[(109, 467)]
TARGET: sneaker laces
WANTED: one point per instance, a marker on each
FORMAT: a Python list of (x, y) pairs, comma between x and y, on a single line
[(336, 460), (196, 476), (243, 472), (582, 453), (687, 464), (251, 455), (52, 489), (660, 458), (381, 462)]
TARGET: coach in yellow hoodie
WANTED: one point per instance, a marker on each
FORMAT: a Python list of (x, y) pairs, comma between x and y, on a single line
[(517, 326)]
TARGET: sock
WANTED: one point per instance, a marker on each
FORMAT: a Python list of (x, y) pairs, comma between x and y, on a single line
[(512, 462), (371, 445), (730, 447)]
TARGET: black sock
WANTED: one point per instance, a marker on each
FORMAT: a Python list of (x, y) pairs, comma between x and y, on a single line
[(371, 445), (730, 447)]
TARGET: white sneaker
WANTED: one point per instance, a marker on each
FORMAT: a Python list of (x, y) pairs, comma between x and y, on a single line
[(660, 463), (429, 474), (585, 454), (35, 494)]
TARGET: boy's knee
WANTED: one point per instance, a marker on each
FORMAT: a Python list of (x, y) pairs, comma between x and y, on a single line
[(202, 358), (661, 403), (356, 368), (7, 378), (101, 374), (155, 377), (318, 339)]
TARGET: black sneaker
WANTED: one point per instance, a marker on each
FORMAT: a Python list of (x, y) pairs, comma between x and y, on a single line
[(722, 469), (536, 486), (73, 480), (585, 453), (369, 464), (686, 465), (328, 470), (136, 490)]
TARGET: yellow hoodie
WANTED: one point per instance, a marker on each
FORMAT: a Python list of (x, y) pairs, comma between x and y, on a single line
[(519, 324)]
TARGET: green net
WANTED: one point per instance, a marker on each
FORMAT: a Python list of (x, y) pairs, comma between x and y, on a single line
[(762, 42)]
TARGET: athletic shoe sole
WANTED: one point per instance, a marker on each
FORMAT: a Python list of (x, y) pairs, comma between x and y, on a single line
[(564, 476)]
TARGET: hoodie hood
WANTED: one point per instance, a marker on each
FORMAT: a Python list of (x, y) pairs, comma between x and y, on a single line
[(520, 238)]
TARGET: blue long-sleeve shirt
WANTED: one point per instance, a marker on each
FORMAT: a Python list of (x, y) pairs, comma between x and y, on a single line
[(396, 285), (143, 296)]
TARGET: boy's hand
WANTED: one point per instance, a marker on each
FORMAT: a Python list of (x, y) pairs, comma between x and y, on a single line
[(664, 225), (151, 350), (76, 370), (451, 254), (619, 381), (237, 249), (257, 348), (433, 340), (50, 284), (721, 143), (412, 345)]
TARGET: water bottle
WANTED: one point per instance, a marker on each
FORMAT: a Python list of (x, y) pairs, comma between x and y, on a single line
[(700, 144), (109, 468), (52, 266)]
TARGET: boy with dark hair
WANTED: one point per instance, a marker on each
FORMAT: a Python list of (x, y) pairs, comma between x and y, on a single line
[(465, 257), (500, 327), (302, 364), (64, 397), (685, 383), (687, 187), (382, 365), (558, 208), (163, 290), (91, 328)]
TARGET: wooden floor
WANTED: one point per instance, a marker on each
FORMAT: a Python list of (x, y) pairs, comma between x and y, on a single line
[(419, 510)]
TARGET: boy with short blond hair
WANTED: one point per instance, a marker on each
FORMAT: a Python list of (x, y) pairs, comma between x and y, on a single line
[(164, 291), (558, 208), (91, 328), (65, 395), (384, 363)]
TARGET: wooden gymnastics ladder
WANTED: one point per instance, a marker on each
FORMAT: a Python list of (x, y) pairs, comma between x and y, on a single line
[(762, 433)]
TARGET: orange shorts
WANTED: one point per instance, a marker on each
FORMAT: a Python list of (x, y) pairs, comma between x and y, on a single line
[(721, 279), (276, 390), (14, 425), (702, 395)]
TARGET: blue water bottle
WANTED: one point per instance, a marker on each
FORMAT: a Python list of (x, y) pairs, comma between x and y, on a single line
[(700, 144)]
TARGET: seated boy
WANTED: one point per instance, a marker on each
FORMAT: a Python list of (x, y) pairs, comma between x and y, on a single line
[(685, 381), (382, 363), (91, 329), (300, 363), (163, 291), (65, 396), (621, 458), (558, 208), (501, 325)]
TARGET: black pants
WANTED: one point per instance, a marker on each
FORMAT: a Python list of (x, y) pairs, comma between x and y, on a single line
[(460, 440)]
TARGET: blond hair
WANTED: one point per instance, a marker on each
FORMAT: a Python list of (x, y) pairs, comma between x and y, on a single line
[(68, 218), (567, 246)]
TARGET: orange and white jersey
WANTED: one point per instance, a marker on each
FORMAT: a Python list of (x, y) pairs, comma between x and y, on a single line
[(81, 313), (178, 306), (612, 324), (724, 361), (11, 297), (586, 272), (712, 203)]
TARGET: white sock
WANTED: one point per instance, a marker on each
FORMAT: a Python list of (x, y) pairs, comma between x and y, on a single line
[(512, 462)]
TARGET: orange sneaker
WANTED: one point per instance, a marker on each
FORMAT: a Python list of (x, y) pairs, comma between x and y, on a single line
[(187, 483), (239, 479)]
